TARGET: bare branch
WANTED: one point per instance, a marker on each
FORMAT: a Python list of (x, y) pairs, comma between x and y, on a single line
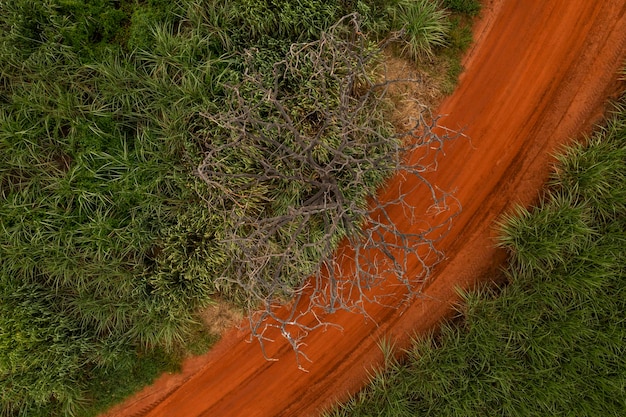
[(294, 164)]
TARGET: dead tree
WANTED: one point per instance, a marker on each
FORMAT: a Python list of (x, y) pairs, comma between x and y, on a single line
[(292, 166)]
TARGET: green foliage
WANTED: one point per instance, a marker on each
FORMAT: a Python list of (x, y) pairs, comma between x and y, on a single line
[(75, 23), (191, 258), (547, 236), (237, 25), (107, 386), (425, 27), (376, 15), (468, 7), (40, 353), (596, 171), (142, 18), (460, 37), (551, 342), (86, 26), (53, 364)]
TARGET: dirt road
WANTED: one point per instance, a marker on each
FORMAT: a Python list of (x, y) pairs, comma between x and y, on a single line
[(538, 75)]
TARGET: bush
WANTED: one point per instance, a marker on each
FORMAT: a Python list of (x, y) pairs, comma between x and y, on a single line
[(425, 27)]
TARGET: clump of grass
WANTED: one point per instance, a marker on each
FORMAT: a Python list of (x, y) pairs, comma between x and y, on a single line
[(550, 342), (595, 171), (546, 236), (425, 27)]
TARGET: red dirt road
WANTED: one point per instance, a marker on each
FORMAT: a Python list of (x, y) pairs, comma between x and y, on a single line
[(539, 74)]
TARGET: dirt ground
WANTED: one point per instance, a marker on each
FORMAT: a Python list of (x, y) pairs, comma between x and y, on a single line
[(538, 76)]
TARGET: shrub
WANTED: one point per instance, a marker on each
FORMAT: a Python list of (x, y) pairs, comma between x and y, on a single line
[(424, 26)]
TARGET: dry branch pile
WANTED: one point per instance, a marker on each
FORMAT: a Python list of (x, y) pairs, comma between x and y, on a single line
[(326, 155)]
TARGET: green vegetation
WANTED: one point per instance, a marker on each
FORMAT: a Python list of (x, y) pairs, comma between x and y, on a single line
[(459, 39), (425, 27), (550, 342), (108, 244), (468, 7)]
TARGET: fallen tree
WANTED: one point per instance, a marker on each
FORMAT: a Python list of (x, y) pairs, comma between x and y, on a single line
[(294, 177)]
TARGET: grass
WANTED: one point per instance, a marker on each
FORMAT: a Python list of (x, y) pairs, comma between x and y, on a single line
[(550, 341), (466, 7), (145, 369), (435, 35), (458, 41), (425, 27), (107, 387)]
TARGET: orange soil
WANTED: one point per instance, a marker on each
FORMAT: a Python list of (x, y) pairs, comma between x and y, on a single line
[(539, 73)]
